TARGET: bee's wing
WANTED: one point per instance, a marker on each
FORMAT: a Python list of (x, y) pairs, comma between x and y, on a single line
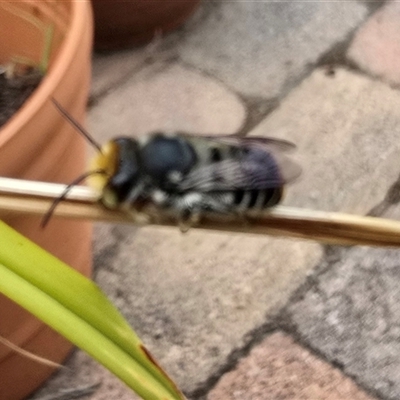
[(274, 144), (257, 169)]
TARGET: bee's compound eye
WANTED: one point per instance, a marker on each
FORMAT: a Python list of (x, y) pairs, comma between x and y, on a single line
[(127, 171), (164, 157)]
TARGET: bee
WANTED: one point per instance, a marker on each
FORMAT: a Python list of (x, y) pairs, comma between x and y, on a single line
[(189, 175)]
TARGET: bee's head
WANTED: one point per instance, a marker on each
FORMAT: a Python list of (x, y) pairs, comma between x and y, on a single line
[(120, 162)]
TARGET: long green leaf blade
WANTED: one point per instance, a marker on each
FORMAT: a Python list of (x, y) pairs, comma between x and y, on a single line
[(78, 299)]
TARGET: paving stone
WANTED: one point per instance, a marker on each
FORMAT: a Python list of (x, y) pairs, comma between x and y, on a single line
[(112, 69), (352, 315), (193, 298), (166, 97), (263, 48), (280, 369), (376, 46), (347, 130)]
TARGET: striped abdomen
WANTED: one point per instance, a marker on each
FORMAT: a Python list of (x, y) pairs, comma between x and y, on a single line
[(256, 199)]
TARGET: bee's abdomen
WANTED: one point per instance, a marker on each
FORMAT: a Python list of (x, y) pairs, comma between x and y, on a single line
[(256, 199)]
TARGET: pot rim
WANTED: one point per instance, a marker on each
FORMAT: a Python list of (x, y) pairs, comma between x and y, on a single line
[(79, 14)]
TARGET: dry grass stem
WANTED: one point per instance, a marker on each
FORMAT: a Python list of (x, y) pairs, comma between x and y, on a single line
[(28, 354), (35, 198)]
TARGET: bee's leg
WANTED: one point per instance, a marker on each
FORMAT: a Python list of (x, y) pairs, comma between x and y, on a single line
[(189, 208), (184, 207), (251, 201), (194, 204), (187, 218), (140, 217)]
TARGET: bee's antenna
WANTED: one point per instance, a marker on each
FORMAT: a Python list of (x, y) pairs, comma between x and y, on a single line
[(58, 200), (76, 125)]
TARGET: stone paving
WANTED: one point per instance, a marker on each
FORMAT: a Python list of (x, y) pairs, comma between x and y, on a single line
[(237, 317)]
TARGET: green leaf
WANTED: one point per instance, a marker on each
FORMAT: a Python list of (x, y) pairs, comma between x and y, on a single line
[(61, 297)]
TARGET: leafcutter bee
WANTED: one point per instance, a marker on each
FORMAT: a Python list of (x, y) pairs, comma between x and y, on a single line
[(189, 175)]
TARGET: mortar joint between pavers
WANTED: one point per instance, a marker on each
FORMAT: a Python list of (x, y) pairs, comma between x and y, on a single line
[(151, 60), (251, 339), (286, 325)]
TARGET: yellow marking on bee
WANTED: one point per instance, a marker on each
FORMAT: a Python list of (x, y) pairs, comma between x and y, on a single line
[(106, 160)]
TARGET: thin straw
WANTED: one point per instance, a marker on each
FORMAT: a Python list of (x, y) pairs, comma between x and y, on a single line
[(35, 198)]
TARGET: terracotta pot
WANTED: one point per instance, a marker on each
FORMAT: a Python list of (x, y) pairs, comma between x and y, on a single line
[(122, 23), (37, 143)]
